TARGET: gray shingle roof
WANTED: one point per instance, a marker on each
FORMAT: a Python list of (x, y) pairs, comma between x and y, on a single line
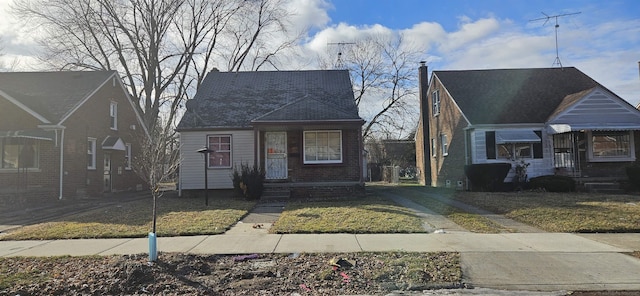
[(52, 94), (239, 99), (506, 96)]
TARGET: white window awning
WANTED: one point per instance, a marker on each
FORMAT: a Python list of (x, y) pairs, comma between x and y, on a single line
[(574, 127), (522, 136), (113, 143)]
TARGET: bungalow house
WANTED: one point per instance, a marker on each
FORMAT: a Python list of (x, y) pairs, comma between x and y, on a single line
[(301, 127), (558, 120), (66, 135)]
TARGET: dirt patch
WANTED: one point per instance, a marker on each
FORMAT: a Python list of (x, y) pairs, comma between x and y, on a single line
[(257, 274)]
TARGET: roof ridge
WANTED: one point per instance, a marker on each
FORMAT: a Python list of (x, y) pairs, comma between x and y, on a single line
[(505, 69)]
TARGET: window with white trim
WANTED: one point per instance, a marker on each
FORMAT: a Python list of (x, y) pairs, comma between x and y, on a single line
[(445, 145), (515, 150), (127, 156), (435, 98), (611, 146), (434, 146), (221, 156), (91, 153), (113, 114), (322, 147), (19, 153)]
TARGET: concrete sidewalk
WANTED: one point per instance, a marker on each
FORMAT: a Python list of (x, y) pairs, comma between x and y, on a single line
[(517, 261)]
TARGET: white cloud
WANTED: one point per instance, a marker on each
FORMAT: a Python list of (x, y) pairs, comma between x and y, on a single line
[(470, 32), (309, 13), (18, 49), (344, 33), (425, 34)]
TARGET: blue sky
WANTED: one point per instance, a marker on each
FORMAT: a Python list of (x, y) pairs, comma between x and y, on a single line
[(603, 40), (405, 13)]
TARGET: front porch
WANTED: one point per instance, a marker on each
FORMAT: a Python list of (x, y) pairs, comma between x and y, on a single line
[(596, 159), (305, 162)]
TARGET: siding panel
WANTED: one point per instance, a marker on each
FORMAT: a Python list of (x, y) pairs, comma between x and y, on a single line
[(192, 162)]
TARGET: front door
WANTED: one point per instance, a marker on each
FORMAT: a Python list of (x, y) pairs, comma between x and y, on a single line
[(107, 172), (276, 155)]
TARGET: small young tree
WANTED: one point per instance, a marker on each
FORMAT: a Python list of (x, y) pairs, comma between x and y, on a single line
[(158, 163)]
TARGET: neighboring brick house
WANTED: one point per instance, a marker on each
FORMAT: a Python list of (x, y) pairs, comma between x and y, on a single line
[(558, 120), (302, 127), (67, 134)]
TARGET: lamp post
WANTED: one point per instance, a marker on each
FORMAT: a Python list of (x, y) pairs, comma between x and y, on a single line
[(205, 151)]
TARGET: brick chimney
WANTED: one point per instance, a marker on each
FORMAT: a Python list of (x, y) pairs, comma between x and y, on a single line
[(425, 146)]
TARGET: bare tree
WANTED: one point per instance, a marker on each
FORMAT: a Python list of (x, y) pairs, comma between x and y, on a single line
[(162, 48), (382, 70), (159, 163)]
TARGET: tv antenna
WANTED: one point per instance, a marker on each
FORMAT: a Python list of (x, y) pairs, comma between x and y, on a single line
[(546, 19), (339, 63)]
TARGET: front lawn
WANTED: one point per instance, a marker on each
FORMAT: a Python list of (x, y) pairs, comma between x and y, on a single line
[(365, 215), (562, 212), (176, 216), (469, 221)]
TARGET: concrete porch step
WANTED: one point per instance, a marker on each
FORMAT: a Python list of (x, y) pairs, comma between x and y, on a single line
[(275, 194)]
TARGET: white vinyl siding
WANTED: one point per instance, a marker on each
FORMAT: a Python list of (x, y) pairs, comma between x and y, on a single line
[(192, 162), (538, 166)]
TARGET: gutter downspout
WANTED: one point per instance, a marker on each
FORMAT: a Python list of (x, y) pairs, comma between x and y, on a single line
[(61, 162), (467, 152), (180, 157), (56, 128), (360, 156)]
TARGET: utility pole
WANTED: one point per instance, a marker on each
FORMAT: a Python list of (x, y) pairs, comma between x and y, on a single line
[(546, 19)]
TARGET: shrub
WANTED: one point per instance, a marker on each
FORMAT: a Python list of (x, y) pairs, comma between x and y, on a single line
[(633, 174), (553, 183), (249, 181), (487, 176)]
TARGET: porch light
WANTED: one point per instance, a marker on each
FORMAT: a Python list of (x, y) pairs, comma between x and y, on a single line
[(205, 151)]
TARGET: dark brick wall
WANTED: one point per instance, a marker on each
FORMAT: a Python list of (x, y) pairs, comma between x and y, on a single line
[(90, 120), (450, 122), (348, 170), (323, 180)]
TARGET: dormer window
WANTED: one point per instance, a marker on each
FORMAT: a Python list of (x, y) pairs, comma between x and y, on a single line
[(113, 114)]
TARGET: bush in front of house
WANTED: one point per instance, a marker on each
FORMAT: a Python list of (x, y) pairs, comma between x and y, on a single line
[(553, 183), (633, 174), (487, 176), (249, 181)]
